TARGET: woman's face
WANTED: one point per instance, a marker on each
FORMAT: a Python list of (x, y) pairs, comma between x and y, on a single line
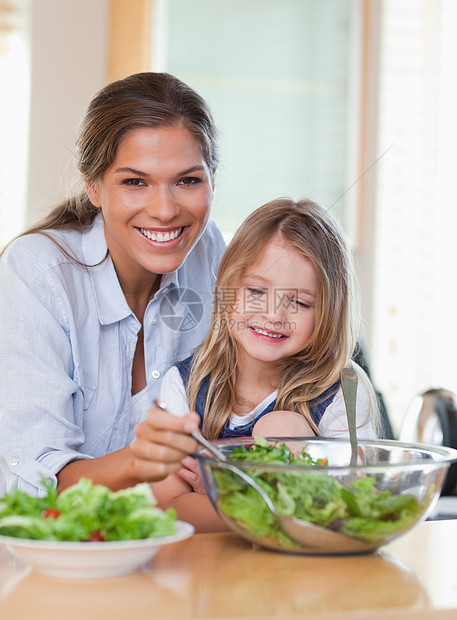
[(155, 199)]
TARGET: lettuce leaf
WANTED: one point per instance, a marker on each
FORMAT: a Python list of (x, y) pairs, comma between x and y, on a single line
[(83, 511), (360, 511)]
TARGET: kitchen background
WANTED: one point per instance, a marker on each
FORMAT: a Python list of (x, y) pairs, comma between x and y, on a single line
[(348, 102)]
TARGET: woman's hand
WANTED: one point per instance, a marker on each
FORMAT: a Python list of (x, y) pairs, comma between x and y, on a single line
[(162, 442), (190, 472)]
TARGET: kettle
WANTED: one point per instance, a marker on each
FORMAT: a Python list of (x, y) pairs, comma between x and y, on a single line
[(432, 418)]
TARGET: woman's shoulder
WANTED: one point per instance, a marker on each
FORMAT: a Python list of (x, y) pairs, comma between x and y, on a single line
[(211, 243), (45, 248), (200, 268), (49, 248), (213, 232)]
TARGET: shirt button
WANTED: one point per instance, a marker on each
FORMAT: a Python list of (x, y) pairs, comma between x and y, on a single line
[(14, 461), (154, 320), (155, 374)]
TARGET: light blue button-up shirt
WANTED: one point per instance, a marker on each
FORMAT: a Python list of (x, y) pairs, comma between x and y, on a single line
[(67, 340)]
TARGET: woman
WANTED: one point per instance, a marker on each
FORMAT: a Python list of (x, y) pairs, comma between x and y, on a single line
[(95, 294)]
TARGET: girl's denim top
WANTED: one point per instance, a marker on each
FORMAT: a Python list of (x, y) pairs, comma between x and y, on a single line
[(317, 408)]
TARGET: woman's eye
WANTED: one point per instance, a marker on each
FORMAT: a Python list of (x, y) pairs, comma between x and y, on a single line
[(190, 181), (133, 182)]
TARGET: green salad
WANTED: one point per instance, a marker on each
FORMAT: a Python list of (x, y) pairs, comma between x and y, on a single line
[(360, 511), (85, 512)]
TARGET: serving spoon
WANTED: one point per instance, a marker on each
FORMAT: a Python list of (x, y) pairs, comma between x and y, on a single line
[(349, 382), (312, 537)]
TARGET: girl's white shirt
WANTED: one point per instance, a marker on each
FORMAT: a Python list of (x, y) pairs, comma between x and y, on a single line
[(333, 422)]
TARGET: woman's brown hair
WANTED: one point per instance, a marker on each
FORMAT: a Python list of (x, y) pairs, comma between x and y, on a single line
[(140, 100)]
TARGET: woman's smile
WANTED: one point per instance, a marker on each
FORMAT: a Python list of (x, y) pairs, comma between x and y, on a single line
[(162, 235)]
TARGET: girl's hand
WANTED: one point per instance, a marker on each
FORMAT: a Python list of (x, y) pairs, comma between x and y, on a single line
[(190, 473), (162, 442)]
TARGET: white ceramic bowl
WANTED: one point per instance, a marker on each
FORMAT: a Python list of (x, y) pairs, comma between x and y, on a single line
[(86, 560)]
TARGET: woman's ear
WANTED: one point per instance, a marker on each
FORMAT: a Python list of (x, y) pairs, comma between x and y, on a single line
[(92, 190)]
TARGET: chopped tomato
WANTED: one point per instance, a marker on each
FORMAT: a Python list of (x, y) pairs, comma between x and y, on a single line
[(51, 513), (96, 536)]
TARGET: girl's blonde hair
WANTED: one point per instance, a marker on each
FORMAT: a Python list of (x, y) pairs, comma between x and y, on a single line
[(309, 229)]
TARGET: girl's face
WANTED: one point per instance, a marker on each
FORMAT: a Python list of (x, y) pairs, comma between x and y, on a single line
[(274, 314), (156, 199)]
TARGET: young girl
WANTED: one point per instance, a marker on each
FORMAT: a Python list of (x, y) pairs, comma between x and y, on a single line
[(283, 327)]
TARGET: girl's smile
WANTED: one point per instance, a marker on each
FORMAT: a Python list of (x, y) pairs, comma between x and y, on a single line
[(268, 334)]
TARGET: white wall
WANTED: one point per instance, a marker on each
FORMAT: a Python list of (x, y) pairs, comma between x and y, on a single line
[(68, 66)]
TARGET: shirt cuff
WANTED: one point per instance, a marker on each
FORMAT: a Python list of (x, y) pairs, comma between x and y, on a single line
[(29, 475)]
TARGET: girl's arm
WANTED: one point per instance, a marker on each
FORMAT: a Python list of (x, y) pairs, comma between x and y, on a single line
[(282, 424), (190, 506)]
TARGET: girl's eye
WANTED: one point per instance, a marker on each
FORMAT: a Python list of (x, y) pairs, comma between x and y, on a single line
[(255, 291), (300, 304), (133, 182), (190, 181)]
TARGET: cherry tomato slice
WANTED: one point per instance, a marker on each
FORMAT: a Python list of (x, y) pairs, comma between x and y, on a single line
[(96, 536), (51, 513)]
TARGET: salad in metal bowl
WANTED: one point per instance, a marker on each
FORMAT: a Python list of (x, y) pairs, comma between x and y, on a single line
[(393, 486)]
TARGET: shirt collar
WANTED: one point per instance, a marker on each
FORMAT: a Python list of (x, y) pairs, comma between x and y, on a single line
[(111, 303), (170, 279)]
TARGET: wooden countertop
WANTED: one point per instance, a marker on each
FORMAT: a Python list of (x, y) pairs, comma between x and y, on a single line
[(215, 576)]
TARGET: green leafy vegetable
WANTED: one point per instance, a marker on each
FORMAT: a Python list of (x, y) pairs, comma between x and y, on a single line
[(360, 511), (85, 512)]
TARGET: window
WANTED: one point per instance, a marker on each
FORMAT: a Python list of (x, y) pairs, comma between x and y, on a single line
[(14, 114), (277, 76), (413, 327)]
